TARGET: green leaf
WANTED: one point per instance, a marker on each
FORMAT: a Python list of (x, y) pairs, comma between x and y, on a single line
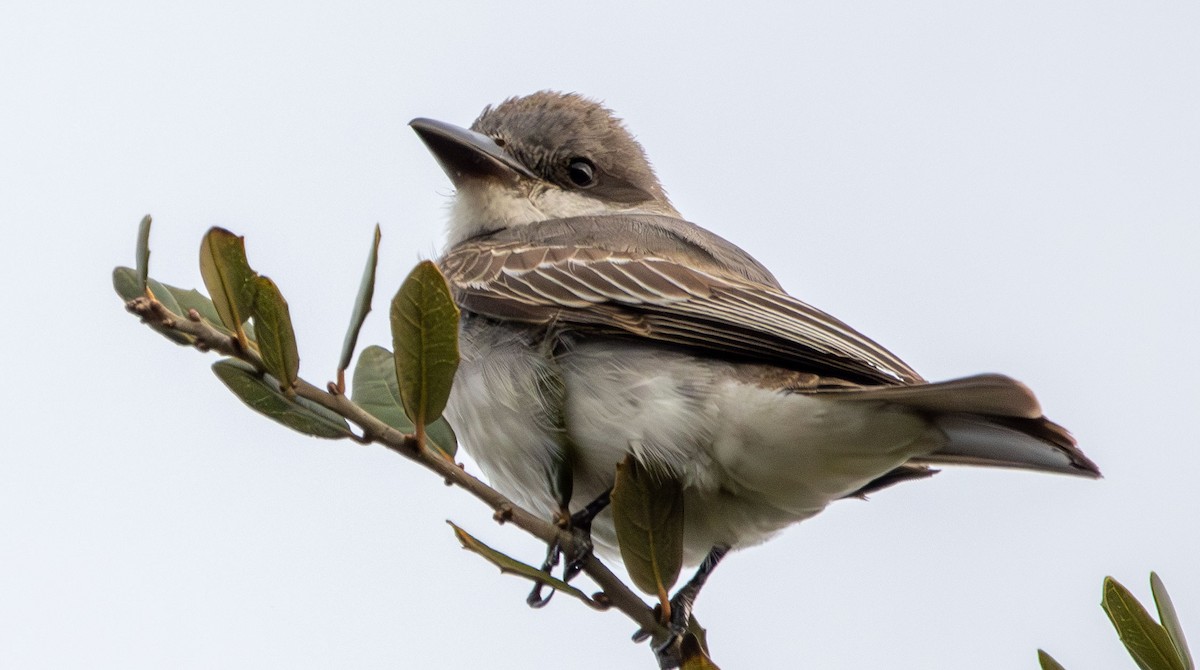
[(190, 299), (125, 282), (276, 338), (425, 335), (693, 654), (143, 253), (176, 299), (163, 294), (1170, 620), (1148, 643), (228, 277), (1047, 661), (362, 303), (375, 390), (261, 393), (510, 565), (647, 511), (701, 633)]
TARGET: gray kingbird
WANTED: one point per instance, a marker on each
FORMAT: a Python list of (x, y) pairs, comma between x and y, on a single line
[(598, 323)]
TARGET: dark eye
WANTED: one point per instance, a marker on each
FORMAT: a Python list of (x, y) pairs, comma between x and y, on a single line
[(581, 172)]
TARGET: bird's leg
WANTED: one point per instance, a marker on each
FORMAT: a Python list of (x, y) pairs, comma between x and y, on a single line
[(535, 599), (668, 650), (685, 598), (580, 525)]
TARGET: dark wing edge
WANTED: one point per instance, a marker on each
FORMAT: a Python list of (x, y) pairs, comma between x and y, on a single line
[(589, 289)]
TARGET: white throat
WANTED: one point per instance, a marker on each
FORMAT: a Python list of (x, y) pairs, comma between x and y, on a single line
[(481, 207)]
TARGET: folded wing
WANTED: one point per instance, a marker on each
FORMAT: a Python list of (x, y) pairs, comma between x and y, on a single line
[(619, 281)]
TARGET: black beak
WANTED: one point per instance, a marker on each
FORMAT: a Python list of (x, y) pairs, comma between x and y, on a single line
[(464, 154)]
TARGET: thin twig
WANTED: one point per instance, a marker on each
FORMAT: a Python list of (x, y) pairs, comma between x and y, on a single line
[(208, 338)]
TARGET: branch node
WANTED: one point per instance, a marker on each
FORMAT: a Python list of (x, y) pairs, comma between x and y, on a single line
[(504, 512), (601, 600), (235, 344)]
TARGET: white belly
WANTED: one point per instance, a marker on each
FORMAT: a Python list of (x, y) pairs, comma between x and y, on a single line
[(752, 460), (502, 413)]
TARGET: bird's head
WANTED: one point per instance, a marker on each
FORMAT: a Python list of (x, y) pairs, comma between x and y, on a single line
[(543, 156)]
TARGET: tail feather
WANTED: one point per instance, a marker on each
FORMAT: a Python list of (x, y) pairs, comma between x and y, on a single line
[(1034, 444), (990, 394), (989, 420)]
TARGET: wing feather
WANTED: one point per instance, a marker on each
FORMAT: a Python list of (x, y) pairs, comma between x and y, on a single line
[(618, 291)]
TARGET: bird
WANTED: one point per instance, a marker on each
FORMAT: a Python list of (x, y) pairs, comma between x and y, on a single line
[(598, 324)]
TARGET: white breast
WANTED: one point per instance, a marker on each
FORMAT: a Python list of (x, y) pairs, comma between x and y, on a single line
[(752, 460), (500, 411)]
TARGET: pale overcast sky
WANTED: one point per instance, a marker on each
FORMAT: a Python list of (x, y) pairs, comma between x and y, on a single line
[(991, 186)]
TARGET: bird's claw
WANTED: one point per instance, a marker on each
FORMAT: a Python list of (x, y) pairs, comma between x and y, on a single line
[(535, 598), (683, 639), (577, 552), (668, 647)]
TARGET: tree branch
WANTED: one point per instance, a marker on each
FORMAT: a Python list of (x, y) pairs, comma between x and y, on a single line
[(206, 337)]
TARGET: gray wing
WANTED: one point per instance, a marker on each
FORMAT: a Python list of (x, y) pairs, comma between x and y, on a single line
[(612, 276)]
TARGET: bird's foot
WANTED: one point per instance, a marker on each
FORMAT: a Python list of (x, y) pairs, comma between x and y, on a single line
[(535, 599), (680, 623), (577, 551), (581, 532)]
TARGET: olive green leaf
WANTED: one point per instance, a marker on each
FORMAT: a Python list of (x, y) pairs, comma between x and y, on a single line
[(125, 282), (1170, 620), (276, 338), (700, 632), (228, 277), (166, 296), (1047, 662), (375, 390), (362, 305), (190, 299), (163, 294), (510, 565), (143, 253), (1147, 642), (261, 393), (647, 511), (179, 301), (694, 656), (424, 323)]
